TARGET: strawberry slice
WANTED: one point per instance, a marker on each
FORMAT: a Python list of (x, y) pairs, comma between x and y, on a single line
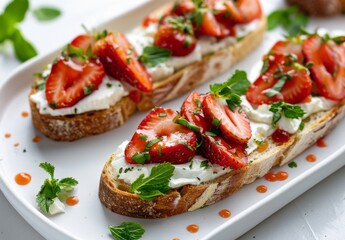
[(191, 110), (294, 80), (159, 139), (234, 126), (250, 9), (120, 61), (328, 70), (69, 82), (83, 41), (289, 47), (221, 152), (211, 27)]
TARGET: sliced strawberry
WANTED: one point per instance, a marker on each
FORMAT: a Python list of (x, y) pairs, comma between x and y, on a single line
[(289, 47), (69, 82), (183, 7), (177, 36), (297, 84), (211, 27), (250, 9), (328, 70), (159, 139), (120, 61), (234, 126), (191, 110), (220, 152), (83, 41)]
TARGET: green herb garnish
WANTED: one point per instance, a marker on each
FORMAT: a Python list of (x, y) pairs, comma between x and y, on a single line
[(292, 165), (288, 110), (52, 188), (204, 164), (156, 184), (152, 56), (127, 231), (182, 121), (46, 13), (232, 89)]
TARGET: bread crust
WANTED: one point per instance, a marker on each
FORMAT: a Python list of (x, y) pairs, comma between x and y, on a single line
[(115, 195), (198, 73), (73, 127)]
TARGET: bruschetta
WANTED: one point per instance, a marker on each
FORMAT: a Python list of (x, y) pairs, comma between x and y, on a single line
[(182, 161), (100, 80)]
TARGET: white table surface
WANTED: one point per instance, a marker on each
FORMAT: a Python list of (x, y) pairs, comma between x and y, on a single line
[(317, 214)]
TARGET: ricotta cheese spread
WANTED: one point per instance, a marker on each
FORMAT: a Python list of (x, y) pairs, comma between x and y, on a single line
[(108, 94), (197, 171)]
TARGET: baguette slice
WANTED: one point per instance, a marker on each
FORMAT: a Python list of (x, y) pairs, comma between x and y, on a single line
[(114, 193), (73, 127)]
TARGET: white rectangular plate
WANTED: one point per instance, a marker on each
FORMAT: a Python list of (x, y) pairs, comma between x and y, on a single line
[(84, 159)]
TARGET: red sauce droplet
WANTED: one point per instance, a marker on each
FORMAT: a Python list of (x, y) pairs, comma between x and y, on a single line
[(16, 145), (192, 228), (72, 200), (321, 143), (22, 178), (261, 188), (280, 136), (7, 135), (263, 146), (25, 114), (279, 176), (310, 158), (224, 213), (36, 139)]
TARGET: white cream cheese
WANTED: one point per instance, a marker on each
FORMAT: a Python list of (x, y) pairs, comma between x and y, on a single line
[(243, 29), (56, 207), (188, 173), (109, 92)]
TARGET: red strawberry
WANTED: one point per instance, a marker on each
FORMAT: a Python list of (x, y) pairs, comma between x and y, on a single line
[(83, 41), (328, 70), (224, 153), (233, 125), (120, 61), (159, 139), (211, 27), (289, 47), (295, 89), (183, 7), (191, 110), (69, 82)]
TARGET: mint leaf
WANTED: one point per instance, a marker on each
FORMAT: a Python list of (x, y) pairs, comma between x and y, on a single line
[(67, 183), (152, 56), (49, 168), (22, 47), (8, 26), (157, 183), (17, 10), (141, 157), (46, 13), (232, 89), (288, 110), (127, 231)]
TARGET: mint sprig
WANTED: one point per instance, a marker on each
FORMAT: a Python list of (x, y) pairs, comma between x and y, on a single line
[(232, 89), (127, 231), (52, 187), (156, 184), (152, 56), (288, 110)]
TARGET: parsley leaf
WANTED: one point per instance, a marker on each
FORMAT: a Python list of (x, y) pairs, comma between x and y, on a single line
[(288, 110), (127, 231), (290, 18), (152, 56), (52, 188), (46, 13), (232, 89), (156, 184)]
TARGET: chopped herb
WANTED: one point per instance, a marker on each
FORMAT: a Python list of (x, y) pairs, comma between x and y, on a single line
[(204, 164), (109, 85), (152, 56), (88, 89), (156, 184), (120, 170), (259, 142), (197, 103), (265, 65), (309, 65), (188, 146), (216, 122), (143, 137), (191, 165), (152, 142), (127, 231), (159, 150), (292, 165), (75, 110), (211, 134), (198, 178), (279, 84), (141, 157), (41, 85), (288, 110), (53, 105), (301, 126), (232, 89), (182, 121)]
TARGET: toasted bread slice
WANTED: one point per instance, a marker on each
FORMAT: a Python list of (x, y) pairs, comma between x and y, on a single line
[(73, 127), (115, 195)]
